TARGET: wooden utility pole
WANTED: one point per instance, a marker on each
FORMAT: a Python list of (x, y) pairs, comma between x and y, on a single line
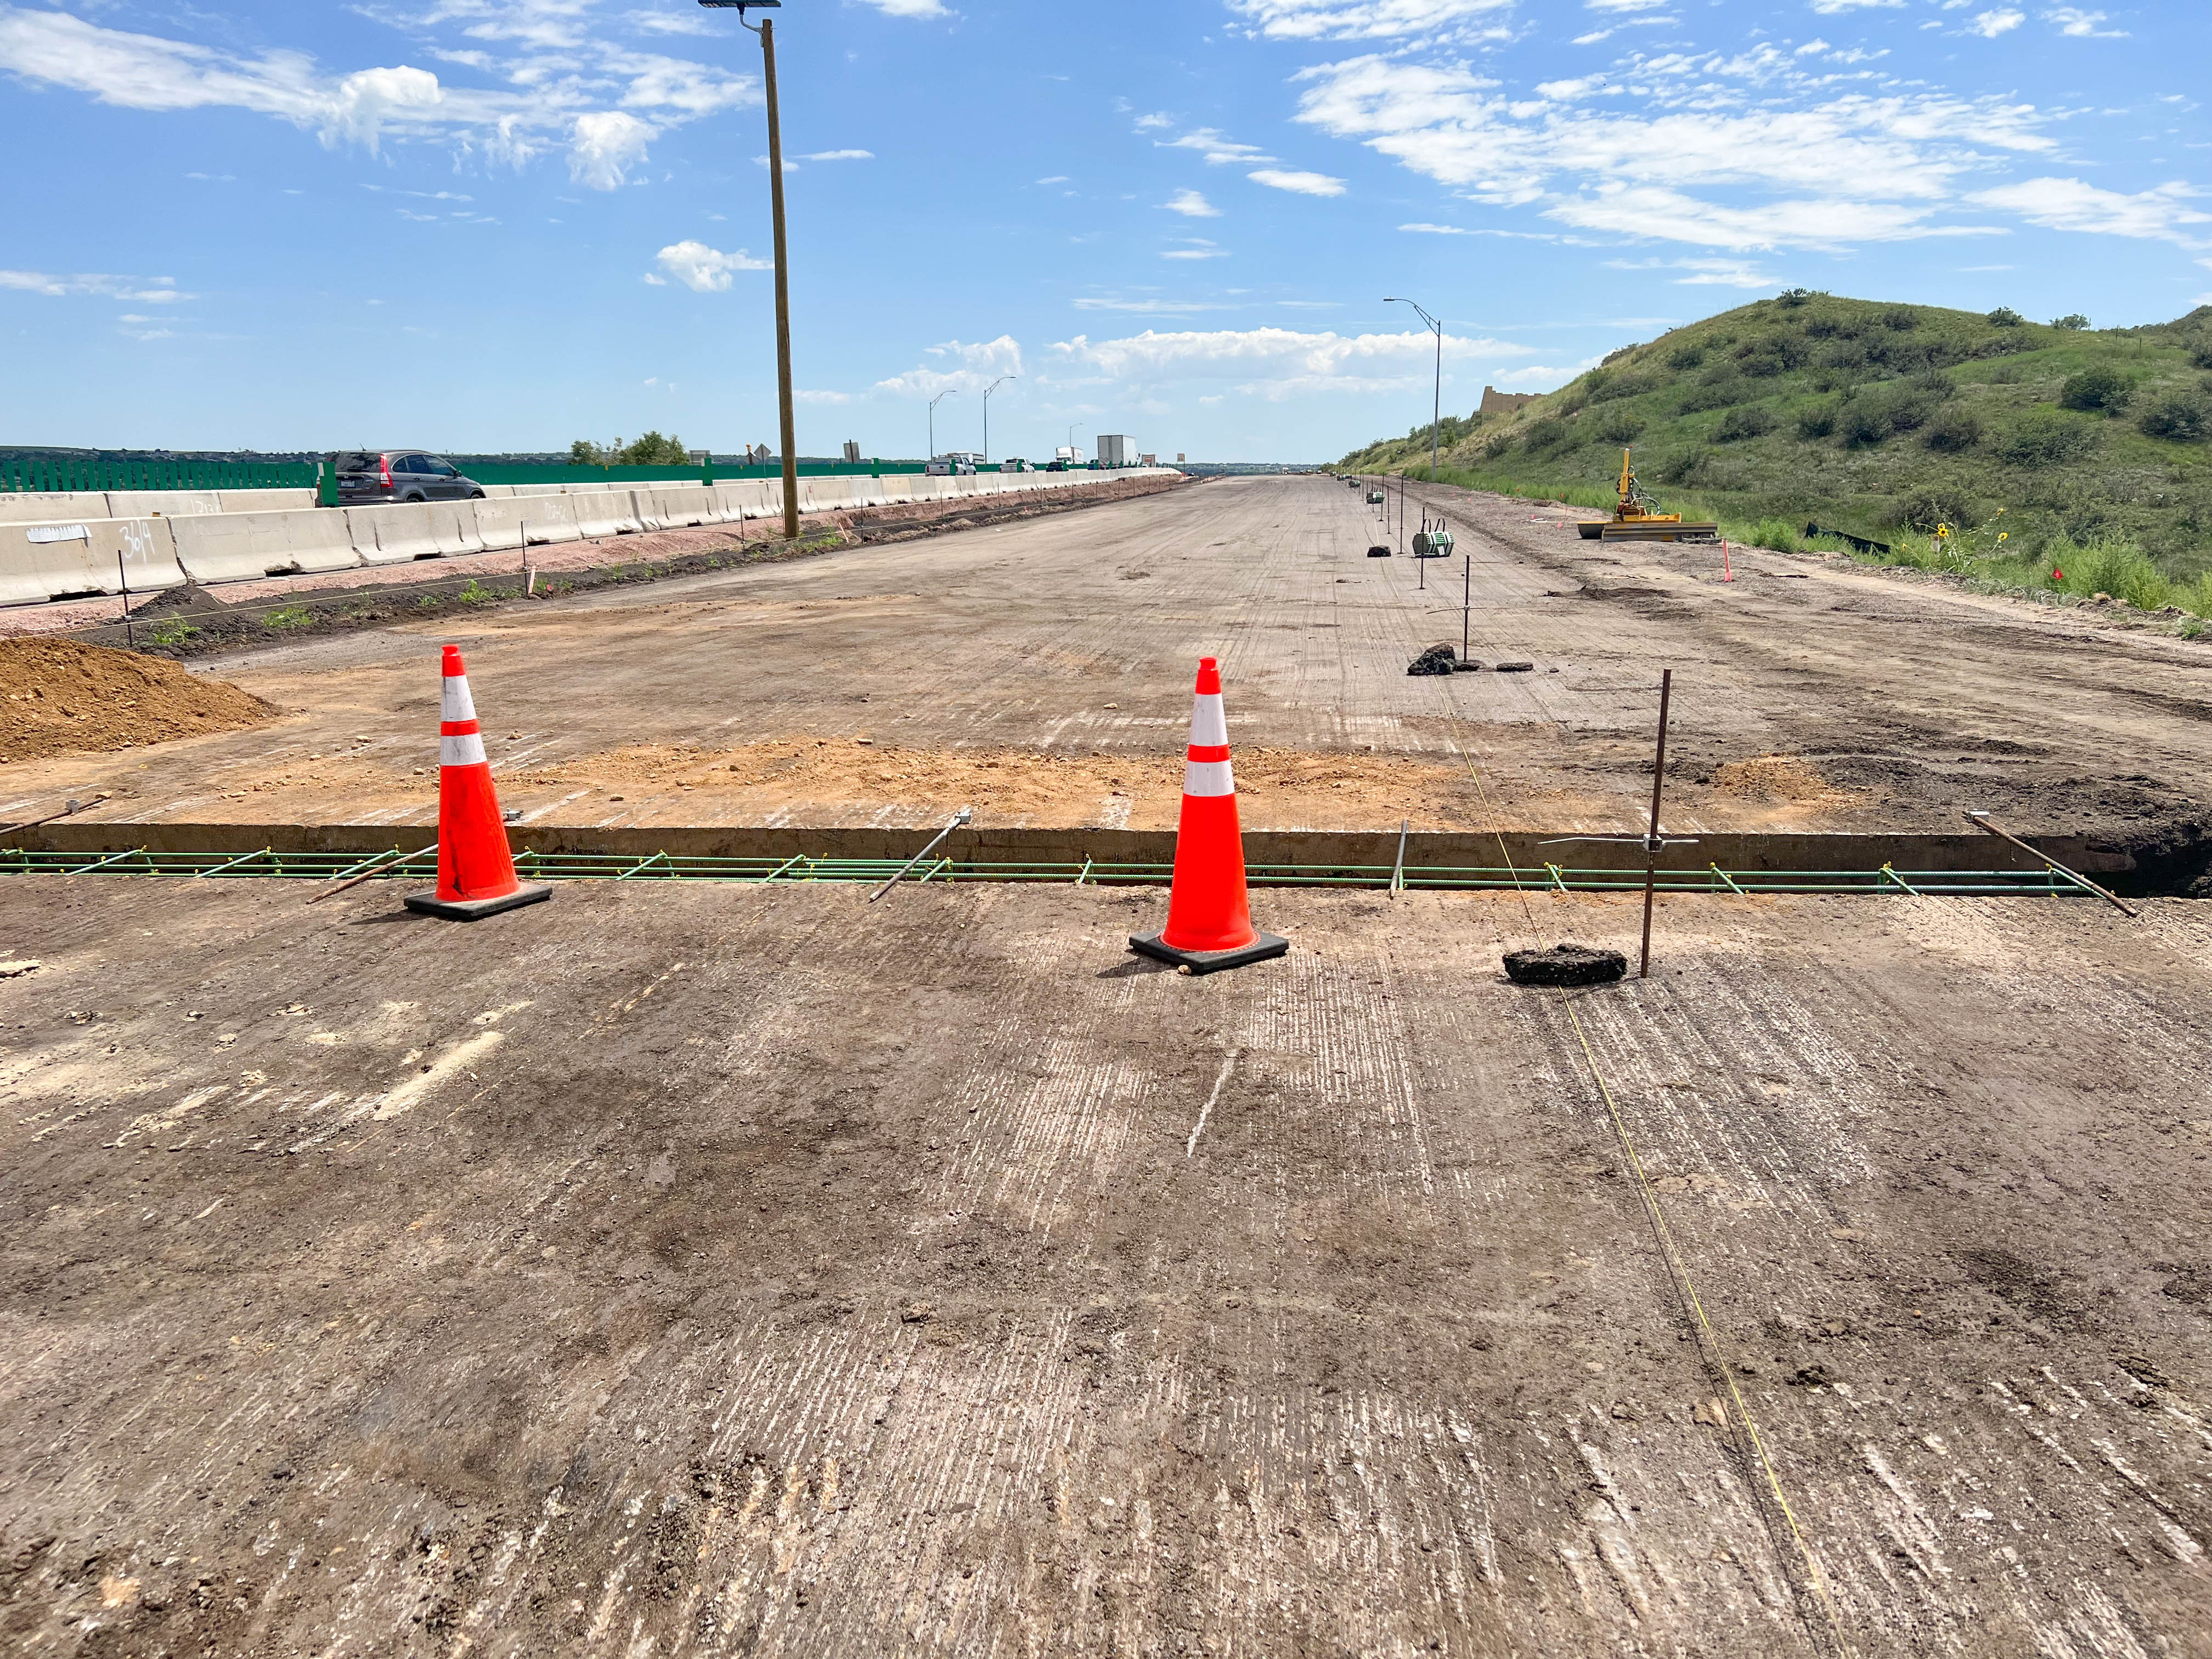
[(783, 289)]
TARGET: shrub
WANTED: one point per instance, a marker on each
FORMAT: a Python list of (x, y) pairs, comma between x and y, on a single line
[(1545, 432), (1844, 354), (1688, 355), (1714, 391), (1614, 387), (2181, 418), (1861, 426), (1776, 536), (1497, 445), (1684, 467), (1817, 422), (2098, 389), (1900, 317), (1748, 421), (1764, 359), (1794, 297), (2200, 354), (2113, 566), (1619, 426), (2046, 439), (1952, 433), (1930, 507), (2005, 317), (2073, 321)]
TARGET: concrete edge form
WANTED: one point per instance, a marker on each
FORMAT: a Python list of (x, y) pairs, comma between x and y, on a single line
[(1315, 852)]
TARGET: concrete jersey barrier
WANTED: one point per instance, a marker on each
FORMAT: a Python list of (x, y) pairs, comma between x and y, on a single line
[(414, 530), (72, 558), (522, 520), (60, 508), (224, 547)]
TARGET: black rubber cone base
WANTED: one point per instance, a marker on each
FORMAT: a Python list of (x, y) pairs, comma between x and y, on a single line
[(1209, 962), (429, 904)]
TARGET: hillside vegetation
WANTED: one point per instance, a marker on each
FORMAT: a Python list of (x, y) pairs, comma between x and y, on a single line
[(1987, 444)]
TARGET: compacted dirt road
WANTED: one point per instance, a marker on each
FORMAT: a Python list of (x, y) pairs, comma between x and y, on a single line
[(725, 1270), (1041, 672), (719, 1270)]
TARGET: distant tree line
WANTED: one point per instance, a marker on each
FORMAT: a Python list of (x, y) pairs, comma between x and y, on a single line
[(650, 450)]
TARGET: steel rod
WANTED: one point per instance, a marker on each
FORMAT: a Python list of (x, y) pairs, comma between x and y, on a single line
[(1398, 870), (383, 862), (958, 818), (1981, 820), (1651, 856), (70, 810)]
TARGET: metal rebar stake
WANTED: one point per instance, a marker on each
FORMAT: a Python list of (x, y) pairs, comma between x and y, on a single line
[(958, 818), (1466, 602), (1651, 841)]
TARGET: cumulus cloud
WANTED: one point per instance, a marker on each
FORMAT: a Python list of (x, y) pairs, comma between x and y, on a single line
[(705, 269), (603, 146), (961, 366), (145, 290), (1848, 168), (1990, 24), (1217, 149), (1191, 205), (563, 87), (2072, 20), (910, 8), (1302, 184), (1276, 362), (1369, 20), (2161, 213)]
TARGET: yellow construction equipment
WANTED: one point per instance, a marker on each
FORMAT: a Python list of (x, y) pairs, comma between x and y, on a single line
[(1638, 519)]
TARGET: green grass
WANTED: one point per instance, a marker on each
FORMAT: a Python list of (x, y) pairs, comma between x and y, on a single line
[(288, 617), (1885, 420)]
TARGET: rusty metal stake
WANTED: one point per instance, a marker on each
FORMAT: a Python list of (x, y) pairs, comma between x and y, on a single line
[(1981, 821), (1651, 842)]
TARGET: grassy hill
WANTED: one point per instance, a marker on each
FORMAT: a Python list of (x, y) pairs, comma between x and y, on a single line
[(2036, 446)]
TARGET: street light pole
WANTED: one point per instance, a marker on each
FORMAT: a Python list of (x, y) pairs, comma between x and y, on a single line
[(1071, 425), (766, 33), (987, 391), (1437, 409), (934, 403)]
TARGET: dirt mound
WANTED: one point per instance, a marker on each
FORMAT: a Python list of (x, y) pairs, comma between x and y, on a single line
[(1777, 777), (62, 698), (1276, 787)]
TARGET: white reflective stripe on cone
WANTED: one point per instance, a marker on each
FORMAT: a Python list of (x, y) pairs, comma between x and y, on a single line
[(461, 751), (454, 703), (1209, 725), (1207, 778)]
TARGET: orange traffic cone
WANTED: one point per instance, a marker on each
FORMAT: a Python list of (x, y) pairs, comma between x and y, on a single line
[(1209, 921), (476, 872)]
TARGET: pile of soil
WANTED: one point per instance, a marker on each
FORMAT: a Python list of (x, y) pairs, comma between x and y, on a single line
[(1275, 786), (60, 696), (1777, 777)]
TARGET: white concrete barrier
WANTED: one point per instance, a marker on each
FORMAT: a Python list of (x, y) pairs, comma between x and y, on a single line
[(525, 520), (603, 513), (262, 501), (222, 547), (168, 503), (674, 506), (70, 558), (59, 507), (414, 530)]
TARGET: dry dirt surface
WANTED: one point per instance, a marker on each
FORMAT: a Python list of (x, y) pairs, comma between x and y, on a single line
[(64, 697), (1808, 695), (740, 1270)]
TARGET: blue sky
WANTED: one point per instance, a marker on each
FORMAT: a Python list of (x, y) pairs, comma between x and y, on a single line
[(486, 226)]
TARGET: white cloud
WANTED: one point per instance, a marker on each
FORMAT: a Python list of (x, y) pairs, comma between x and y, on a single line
[(2159, 214), (1831, 8), (162, 293), (1218, 150), (1368, 20), (965, 366), (841, 155), (1276, 362), (1206, 251), (1990, 24), (805, 397), (705, 269), (1191, 205), (1703, 273), (1055, 179), (1624, 5), (2072, 20), (560, 86), (1150, 306), (910, 8), (1302, 184), (1849, 167), (603, 145)]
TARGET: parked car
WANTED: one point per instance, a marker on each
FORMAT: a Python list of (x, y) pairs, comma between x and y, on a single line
[(371, 478)]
